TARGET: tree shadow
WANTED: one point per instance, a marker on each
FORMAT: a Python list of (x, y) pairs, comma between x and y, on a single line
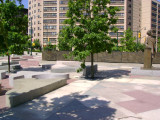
[(106, 74), (68, 107)]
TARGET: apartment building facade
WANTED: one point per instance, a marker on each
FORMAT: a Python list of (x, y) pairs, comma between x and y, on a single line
[(48, 15)]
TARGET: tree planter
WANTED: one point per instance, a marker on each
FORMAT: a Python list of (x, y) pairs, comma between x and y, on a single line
[(87, 70)]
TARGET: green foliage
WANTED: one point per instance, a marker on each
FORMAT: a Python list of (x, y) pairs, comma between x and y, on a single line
[(140, 47), (49, 47), (13, 28), (158, 45), (37, 45), (128, 42), (87, 28)]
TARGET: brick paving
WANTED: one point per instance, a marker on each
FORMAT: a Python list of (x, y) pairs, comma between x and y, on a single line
[(27, 57), (5, 87), (143, 102), (128, 99), (29, 63)]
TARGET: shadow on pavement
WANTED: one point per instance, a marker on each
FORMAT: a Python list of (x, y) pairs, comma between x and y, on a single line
[(117, 73), (68, 107)]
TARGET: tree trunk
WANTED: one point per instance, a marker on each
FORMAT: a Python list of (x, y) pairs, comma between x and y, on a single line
[(92, 67), (9, 64)]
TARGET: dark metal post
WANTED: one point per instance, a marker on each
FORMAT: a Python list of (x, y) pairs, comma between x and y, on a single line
[(137, 41), (117, 41), (31, 36)]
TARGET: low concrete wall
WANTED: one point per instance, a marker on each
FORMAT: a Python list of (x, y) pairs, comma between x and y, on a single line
[(114, 57), (29, 91)]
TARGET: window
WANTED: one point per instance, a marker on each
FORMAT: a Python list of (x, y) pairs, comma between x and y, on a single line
[(50, 27), (61, 27), (61, 15), (49, 9), (50, 15), (49, 2), (63, 8), (63, 2), (52, 21), (46, 34), (120, 21)]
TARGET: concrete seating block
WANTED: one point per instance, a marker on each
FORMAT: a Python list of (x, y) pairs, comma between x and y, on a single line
[(29, 89), (87, 70), (144, 72), (65, 66), (51, 76), (2, 74), (14, 77)]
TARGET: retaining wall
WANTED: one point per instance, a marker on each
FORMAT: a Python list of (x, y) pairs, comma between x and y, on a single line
[(114, 57)]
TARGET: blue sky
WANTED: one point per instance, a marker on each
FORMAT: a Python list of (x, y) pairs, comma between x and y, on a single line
[(25, 3)]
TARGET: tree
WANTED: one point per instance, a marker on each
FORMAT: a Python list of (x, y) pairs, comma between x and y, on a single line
[(13, 29), (87, 29), (37, 44), (128, 41)]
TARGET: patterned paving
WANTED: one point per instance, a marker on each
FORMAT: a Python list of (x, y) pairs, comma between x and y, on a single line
[(143, 102), (29, 63), (5, 87), (27, 57)]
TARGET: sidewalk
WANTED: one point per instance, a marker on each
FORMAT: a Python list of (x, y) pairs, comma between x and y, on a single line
[(107, 99), (116, 96)]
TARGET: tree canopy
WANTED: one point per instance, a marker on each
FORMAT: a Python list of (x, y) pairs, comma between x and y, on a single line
[(87, 29), (128, 43), (13, 28)]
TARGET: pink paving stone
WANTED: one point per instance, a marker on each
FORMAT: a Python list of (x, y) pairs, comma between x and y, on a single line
[(144, 101), (137, 106), (136, 76), (70, 80), (5, 85), (144, 96), (27, 57), (28, 63), (2, 102)]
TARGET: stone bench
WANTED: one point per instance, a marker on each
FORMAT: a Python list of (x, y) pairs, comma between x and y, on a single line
[(2, 74), (29, 89), (6, 63), (14, 77), (51, 76), (12, 67)]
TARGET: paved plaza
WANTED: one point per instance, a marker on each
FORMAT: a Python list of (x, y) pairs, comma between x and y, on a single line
[(115, 94)]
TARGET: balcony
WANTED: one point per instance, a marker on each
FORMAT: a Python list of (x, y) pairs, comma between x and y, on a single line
[(117, 2)]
